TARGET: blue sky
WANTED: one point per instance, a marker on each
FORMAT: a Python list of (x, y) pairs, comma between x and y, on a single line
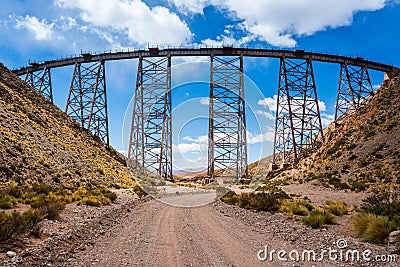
[(48, 29)]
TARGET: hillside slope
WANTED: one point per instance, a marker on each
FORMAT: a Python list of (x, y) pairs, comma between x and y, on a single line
[(362, 150), (38, 142)]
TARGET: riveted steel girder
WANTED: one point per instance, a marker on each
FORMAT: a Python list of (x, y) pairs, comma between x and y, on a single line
[(298, 126), (41, 81), (227, 149), (150, 145), (87, 99), (354, 87)]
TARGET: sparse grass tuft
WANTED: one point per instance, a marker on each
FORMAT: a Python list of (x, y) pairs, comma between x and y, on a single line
[(254, 201), (7, 202), (361, 222), (94, 197), (318, 218), (50, 208), (12, 226), (301, 207), (373, 229), (139, 191), (337, 208)]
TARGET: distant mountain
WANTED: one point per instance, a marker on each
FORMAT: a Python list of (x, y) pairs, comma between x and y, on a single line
[(189, 171)]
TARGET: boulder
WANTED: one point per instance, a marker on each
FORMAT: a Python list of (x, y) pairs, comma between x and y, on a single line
[(394, 242)]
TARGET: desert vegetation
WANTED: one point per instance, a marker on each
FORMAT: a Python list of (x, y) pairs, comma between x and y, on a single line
[(45, 202), (379, 217)]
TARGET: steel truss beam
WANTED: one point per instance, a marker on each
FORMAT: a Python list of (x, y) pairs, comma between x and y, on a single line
[(354, 87), (227, 122), (87, 100), (41, 81), (150, 146), (298, 126)]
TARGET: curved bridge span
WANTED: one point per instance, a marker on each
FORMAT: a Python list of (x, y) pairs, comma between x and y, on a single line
[(298, 127)]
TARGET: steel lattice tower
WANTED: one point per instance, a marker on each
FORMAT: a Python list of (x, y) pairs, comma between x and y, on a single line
[(227, 149), (150, 145), (354, 87), (87, 100), (41, 81), (298, 126)]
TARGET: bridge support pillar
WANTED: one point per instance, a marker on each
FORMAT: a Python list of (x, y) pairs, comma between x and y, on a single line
[(150, 145), (298, 126), (87, 100), (354, 87), (41, 81), (227, 149)]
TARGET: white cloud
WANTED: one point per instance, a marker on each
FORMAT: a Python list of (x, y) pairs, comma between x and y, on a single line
[(40, 28), (186, 147), (267, 136), (376, 86), (205, 100), (196, 144), (266, 114), (190, 6), (199, 139), (68, 23), (224, 40), (134, 19), (279, 22), (322, 105), (327, 119), (269, 102)]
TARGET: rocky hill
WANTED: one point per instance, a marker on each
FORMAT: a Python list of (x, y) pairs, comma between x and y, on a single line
[(362, 150), (39, 142)]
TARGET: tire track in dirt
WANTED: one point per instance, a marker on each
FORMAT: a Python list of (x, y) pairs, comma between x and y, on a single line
[(156, 234)]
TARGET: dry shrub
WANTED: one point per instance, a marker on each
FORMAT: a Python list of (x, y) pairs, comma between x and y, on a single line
[(373, 229), (337, 208), (317, 218)]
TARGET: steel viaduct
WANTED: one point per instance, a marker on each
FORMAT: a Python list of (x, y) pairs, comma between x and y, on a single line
[(298, 127)]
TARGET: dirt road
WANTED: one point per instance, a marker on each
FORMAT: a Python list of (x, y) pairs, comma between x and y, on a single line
[(149, 232), (158, 234)]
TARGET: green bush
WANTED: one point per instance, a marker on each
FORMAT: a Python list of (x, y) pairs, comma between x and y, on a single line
[(263, 201), (230, 198), (12, 226), (51, 209), (358, 186), (361, 222), (94, 197), (7, 202), (372, 228), (378, 230), (109, 194), (317, 218), (253, 201), (337, 208), (96, 201), (299, 210), (301, 207), (139, 191), (383, 203)]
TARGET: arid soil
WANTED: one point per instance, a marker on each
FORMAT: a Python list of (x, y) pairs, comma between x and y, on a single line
[(148, 232)]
